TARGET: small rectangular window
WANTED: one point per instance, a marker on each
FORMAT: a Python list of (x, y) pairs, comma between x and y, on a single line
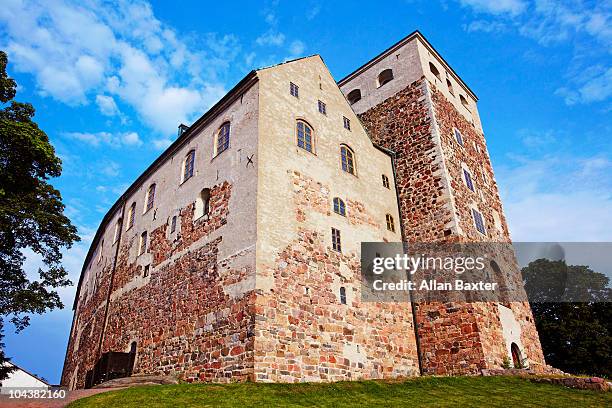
[(146, 271), (293, 89), (347, 123), (343, 295), (173, 225), (322, 108), (479, 222), (336, 243), (468, 179), (131, 215), (385, 181), (458, 136)]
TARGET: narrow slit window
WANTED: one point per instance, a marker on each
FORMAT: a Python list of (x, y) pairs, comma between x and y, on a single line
[(142, 248), (336, 242), (468, 179), (390, 222), (117, 230), (173, 224), (450, 87), (339, 207), (459, 136), (343, 295), (131, 216), (304, 135)]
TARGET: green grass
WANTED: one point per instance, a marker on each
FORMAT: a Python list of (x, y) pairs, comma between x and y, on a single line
[(419, 392)]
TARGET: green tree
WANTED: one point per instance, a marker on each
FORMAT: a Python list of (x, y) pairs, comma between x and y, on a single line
[(571, 306), (31, 214)]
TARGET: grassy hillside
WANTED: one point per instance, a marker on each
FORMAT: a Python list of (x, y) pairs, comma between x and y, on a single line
[(419, 392)]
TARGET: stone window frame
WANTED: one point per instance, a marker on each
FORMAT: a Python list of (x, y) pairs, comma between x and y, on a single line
[(479, 221), (340, 205), (118, 227), (336, 239), (142, 243), (385, 181), (188, 166), (173, 224), (149, 201), (390, 222), (354, 96), (202, 205), (131, 216), (352, 165), (312, 135), (222, 138), (385, 80), (294, 90), (435, 71), (322, 107)]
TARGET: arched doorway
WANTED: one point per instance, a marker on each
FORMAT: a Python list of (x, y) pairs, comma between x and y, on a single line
[(516, 356), (132, 360)]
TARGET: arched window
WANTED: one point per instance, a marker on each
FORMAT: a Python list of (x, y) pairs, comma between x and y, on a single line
[(142, 247), (347, 158), (188, 165), (343, 295), (384, 77), (339, 207), (131, 215), (450, 87), (464, 102), (223, 138), (354, 96), (390, 222), (385, 181), (150, 198), (305, 135), (117, 230), (434, 70), (202, 205), (516, 356)]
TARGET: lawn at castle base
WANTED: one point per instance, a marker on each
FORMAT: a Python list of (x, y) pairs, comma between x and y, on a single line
[(418, 392)]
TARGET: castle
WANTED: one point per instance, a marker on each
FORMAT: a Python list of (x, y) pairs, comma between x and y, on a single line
[(235, 255)]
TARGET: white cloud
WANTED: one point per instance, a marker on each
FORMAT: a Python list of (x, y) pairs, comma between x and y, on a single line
[(107, 105), (110, 168), (115, 140), (161, 144), (485, 26), (594, 85), (115, 49), (297, 48), (512, 7)]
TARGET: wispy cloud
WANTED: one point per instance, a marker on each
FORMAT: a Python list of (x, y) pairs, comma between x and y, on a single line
[(115, 140), (511, 7)]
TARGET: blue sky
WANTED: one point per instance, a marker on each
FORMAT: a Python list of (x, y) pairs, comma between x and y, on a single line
[(111, 80)]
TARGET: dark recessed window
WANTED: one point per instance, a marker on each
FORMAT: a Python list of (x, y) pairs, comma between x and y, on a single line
[(458, 136), (117, 230), (146, 271), (131, 216), (478, 221), (304, 135), (142, 247), (173, 224), (450, 87), (343, 295), (347, 158), (336, 243), (384, 77), (347, 123), (293, 89), (223, 137), (385, 181), (354, 96), (202, 205), (390, 222), (339, 207), (434, 70), (322, 108), (464, 102), (150, 197)]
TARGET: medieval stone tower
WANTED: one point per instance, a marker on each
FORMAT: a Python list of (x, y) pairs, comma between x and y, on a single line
[(236, 254)]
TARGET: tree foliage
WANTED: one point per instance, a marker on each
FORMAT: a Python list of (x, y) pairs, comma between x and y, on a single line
[(572, 309), (31, 213)]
